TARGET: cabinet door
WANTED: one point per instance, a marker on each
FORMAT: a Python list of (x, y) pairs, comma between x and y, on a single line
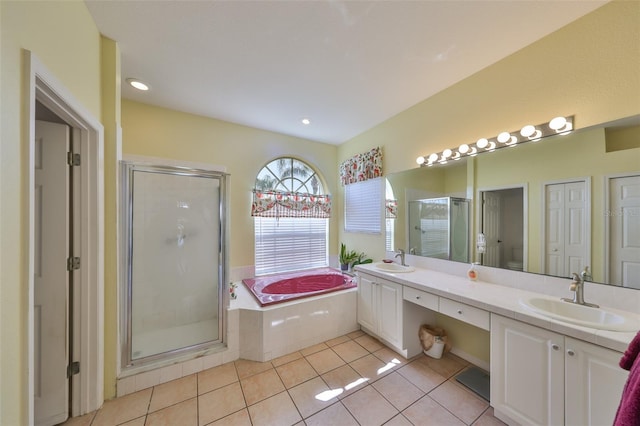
[(527, 373), (366, 303), (390, 312), (594, 383)]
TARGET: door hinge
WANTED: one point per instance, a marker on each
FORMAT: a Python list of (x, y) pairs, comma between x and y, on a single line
[(73, 159), (73, 368), (73, 263)]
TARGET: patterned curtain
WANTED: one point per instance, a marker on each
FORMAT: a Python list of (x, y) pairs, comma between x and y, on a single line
[(290, 204), (391, 209), (358, 168)]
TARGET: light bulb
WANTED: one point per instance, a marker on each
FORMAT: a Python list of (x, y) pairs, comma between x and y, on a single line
[(433, 157), (137, 84), (504, 137), (528, 130), (482, 143), (446, 153), (558, 123), (420, 160), (464, 148)]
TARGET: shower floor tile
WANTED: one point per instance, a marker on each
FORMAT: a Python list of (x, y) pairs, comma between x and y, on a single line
[(334, 382)]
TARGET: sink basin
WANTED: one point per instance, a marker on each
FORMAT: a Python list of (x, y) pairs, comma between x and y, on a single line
[(599, 318), (393, 267)]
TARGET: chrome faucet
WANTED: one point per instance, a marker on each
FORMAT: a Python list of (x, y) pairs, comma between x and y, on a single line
[(577, 286), (401, 254)]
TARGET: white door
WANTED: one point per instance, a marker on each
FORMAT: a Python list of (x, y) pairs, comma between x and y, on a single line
[(366, 304), (593, 384), (51, 277), (527, 373), (390, 312), (554, 230), (491, 228), (624, 225), (567, 225), (576, 249)]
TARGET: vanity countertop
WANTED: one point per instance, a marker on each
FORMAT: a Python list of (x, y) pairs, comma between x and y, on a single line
[(502, 300)]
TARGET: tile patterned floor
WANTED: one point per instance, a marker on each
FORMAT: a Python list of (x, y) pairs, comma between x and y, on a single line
[(349, 380)]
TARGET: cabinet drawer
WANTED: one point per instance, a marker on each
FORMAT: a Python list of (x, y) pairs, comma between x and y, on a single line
[(466, 313), (421, 298)]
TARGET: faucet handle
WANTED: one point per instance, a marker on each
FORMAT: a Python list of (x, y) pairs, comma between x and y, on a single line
[(573, 286)]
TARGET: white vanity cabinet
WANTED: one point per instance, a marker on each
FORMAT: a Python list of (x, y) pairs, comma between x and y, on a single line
[(544, 378), (380, 308)]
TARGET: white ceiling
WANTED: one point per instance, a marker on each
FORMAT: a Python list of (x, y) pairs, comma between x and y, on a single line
[(347, 65)]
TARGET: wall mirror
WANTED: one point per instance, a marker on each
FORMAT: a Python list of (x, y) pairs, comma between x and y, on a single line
[(551, 207)]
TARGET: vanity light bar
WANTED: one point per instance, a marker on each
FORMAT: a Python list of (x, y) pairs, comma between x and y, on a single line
[(529, 133)]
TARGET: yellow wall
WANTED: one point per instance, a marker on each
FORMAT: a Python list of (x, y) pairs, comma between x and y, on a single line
[(72, 54), (111, 111), (160, 132), (590, 68)]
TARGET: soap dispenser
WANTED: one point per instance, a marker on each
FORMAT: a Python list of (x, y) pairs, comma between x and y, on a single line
[(472, 273)]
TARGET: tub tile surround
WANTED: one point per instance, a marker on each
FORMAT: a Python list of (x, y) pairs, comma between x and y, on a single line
[(500, 290), (272, 331)]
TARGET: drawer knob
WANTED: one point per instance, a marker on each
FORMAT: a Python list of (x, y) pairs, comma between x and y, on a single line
[(570, 352), (459, 311), (555, 347), (417, 297)]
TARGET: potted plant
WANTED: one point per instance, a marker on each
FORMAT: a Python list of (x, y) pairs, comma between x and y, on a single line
[(347, 257), (361, 260)]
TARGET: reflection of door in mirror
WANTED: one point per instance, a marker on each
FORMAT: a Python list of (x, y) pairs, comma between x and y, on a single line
[(624, 225), (503, 228), (566, 228)]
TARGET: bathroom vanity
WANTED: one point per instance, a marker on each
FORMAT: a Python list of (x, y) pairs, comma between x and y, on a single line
[(543, 370)]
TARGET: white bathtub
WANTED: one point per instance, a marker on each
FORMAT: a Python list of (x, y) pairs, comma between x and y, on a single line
[(273, 331)]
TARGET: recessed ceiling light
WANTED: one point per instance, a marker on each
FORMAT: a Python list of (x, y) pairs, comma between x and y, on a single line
[(305, 121), (134, 82)]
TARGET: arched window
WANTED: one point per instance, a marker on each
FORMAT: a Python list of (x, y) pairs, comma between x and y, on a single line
[(291, 217)]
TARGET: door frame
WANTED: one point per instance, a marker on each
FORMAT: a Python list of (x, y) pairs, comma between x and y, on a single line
[(606, 247), (525, 218), (88, 307), (543, 218)]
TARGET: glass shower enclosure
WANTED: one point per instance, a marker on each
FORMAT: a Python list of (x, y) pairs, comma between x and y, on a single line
[(439, 227), (174, 262)]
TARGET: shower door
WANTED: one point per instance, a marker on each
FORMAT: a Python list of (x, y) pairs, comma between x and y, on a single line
[(175, 261)]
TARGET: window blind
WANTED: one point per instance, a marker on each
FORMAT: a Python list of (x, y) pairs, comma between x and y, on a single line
[(363, 206), (288, 244)]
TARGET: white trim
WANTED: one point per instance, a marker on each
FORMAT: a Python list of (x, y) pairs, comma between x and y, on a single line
[(543, 214), (159, 161), (40, 84)]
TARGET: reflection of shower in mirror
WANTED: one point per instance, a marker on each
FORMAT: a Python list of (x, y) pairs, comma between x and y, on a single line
[(439, 227)]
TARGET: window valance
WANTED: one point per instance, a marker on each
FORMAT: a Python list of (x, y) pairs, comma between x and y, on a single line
[(361, 167), (290, 204)]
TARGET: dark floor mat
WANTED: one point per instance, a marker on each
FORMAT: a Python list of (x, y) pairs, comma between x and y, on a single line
[(475, 379)]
